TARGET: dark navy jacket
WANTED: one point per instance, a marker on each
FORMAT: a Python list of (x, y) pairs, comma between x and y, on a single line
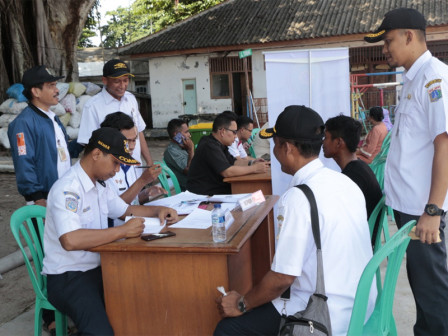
[(36, 169)]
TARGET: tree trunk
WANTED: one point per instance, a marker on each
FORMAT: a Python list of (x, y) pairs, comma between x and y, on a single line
[(36, 32)]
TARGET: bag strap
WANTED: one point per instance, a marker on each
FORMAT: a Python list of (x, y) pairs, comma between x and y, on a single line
[(320, 284)]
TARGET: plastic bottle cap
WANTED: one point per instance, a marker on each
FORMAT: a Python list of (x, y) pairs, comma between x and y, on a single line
[(216, 206)]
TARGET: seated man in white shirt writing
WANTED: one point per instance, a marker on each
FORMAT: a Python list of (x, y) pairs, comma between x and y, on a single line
[(78, 206)]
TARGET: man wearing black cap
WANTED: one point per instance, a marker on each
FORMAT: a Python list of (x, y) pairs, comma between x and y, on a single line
[(416, 173), (79, 204), (39, 143), (344, 232), (114, 97)]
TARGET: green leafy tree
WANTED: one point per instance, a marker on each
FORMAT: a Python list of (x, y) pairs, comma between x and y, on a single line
[(145, 17), (93, 18)]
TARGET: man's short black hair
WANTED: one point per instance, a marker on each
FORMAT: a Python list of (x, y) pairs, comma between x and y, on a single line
[(119, 121), (174, 126), (243, 121), (346, 128), (306, 148), (223, 120), (27, 91), (376, 113)]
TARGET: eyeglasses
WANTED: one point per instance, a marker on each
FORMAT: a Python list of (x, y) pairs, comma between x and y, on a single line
[(231, 130), (250, 130)]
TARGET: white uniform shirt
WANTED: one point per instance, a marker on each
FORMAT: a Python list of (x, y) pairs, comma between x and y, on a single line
[(74, 202), (237, 149), (421, 115), (61, 145), (345, 240), (120, 183), (99, 106)]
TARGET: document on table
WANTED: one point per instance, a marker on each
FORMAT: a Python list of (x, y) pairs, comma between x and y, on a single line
[(184, 203), (152, 224), (198, 219)]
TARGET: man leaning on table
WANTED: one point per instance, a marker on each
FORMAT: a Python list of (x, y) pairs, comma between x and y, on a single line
[(212, 161), (344, 231), (78, 206)]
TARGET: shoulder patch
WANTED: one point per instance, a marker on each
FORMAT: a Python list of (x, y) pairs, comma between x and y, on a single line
[(71, 204), (434, 81), (21, 145), (435, 93), (71, 201)]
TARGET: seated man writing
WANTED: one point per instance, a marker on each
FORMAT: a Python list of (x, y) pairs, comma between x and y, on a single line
[(344, 232), (212, 161), (78, 206)]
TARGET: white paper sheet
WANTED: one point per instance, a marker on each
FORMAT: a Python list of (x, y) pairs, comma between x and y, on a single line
[(184, 203), (152, 224), (198, 219)]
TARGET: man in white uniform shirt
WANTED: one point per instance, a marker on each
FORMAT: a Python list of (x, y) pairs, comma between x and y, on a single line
[(130, 182), (416, 173), (112, 98), (79, 204), (344, 232)]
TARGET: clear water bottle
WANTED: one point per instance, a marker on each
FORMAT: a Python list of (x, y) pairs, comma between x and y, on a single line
[(218, 224)]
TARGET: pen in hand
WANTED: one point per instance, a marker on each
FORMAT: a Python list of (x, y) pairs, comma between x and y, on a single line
[(143, 166), (222, 290)]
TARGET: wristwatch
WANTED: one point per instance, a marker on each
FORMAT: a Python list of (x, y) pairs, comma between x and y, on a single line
[(242, 305), (433, 210)]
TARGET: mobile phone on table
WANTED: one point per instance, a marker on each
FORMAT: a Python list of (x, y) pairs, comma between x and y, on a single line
[(179, 138), (154, 236)]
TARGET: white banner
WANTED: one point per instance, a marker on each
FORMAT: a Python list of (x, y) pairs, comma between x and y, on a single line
[(317, 78)]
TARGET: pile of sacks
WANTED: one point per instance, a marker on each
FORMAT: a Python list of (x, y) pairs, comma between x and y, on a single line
[(72, 97)]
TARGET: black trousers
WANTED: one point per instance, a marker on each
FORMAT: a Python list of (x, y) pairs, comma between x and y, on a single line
[(80, 296), (428, 276), (263, 320)]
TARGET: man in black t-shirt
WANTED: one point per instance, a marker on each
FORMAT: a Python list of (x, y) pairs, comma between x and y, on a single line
[(212, 161), (342, 135)]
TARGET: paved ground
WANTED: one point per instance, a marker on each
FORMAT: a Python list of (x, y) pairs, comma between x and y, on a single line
[(17, 296)]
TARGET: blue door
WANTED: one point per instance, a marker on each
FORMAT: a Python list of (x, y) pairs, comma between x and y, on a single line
[(189, 92)]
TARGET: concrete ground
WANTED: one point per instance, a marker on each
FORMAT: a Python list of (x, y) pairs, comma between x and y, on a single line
[(17, 295)]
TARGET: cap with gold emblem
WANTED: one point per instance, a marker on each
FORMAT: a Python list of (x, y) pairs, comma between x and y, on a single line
[(116, 68), (400, 18), (111, 141)]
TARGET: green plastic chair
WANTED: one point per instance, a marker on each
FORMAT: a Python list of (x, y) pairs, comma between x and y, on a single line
[(23, 229), (381, 322), (379, 161), (165, 175), (380, 213), (251, 139)]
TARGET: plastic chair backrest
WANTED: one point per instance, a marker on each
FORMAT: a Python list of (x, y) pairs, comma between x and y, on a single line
[(381, 322), (251, 140), (379, 161), (379, 215), (22, 227), (166, 174)]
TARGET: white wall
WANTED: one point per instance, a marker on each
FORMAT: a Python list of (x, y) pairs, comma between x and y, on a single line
[(166, 75)]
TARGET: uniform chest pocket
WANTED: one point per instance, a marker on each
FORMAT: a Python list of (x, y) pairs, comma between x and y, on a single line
[(86, 218), (409, 118)]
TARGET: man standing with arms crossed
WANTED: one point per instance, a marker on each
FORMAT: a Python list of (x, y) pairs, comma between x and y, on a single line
[(114, 97), (416, 173)]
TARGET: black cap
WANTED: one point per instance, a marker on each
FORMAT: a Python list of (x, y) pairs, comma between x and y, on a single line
[(38, 75), (116, 68), (111, 141), (296, 122), (400, 18)]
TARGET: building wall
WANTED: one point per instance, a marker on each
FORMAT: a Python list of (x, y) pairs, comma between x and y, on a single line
[(166, 75)]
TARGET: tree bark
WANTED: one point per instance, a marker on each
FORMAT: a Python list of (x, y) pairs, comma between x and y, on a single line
[(37, 32)]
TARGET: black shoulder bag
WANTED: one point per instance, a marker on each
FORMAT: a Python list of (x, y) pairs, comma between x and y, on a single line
[(315, 319)]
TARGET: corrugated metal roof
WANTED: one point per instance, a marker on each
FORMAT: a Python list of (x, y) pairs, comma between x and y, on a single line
[(243, 22)]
